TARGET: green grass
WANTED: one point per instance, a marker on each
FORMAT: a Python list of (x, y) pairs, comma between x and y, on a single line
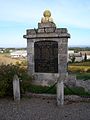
[(76, 91), (40, 89), (83, 76)]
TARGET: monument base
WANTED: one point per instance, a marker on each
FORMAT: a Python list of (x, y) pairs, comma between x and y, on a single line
[(45, 79)]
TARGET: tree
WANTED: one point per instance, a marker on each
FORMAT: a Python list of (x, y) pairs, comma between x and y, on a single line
[(85, 57), (72, 58)]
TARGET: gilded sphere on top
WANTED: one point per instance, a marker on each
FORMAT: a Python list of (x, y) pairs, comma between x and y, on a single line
[(47, 13)]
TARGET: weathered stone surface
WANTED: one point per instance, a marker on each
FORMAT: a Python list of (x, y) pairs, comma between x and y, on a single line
[(41, 30), (70, 80), (31, 31), (16, 88), (64, 40), (31, 58), (61, 30), (85, 84), (62, 59), (64, 35), (60, 93), (47, 32), (45, 79), (46, 35), (46, 25), (30, 47), (62, 69), (31, 68), (62, 49)]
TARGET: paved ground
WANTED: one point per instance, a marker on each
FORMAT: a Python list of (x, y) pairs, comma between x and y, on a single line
[(42, 109)]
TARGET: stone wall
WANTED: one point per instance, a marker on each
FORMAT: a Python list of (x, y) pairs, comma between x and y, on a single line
[(85, 84), (70, 80)]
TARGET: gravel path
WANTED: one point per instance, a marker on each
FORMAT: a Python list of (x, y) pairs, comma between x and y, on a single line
[(42, 109)]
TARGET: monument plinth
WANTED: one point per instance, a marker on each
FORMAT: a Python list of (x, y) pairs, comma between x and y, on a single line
[(47, 51)]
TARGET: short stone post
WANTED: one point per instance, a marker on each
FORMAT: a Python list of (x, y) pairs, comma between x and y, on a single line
[(60, 92), (16, 88)]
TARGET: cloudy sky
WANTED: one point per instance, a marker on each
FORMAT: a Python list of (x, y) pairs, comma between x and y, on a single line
[(18, 15)]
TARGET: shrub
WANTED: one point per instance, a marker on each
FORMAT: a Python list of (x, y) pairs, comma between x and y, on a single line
[(7, 73), (38, 89), (24, 63)]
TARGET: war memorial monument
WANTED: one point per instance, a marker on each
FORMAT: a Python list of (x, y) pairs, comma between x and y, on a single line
[(47, 48)]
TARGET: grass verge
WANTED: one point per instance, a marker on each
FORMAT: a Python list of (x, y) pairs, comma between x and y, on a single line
[(71, 91)]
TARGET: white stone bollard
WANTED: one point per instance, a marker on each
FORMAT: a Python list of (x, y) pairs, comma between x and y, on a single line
[(60, 93), (16, 88)]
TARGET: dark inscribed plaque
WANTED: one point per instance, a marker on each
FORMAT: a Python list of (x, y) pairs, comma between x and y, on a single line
[(46, 56)]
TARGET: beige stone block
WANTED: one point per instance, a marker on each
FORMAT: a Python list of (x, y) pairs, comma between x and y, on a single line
[(31, 31), (45, 25)]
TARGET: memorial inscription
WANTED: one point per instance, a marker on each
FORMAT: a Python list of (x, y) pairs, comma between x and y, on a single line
[(46, 56)]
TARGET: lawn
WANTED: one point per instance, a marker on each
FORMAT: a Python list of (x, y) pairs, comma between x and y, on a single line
[(83, 76), (52, 90)]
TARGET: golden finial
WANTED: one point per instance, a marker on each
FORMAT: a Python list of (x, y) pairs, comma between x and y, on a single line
[(47, 13), (47, 17)]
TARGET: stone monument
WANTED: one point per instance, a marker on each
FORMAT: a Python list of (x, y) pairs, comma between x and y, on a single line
[(16, 88), (47, 51)]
